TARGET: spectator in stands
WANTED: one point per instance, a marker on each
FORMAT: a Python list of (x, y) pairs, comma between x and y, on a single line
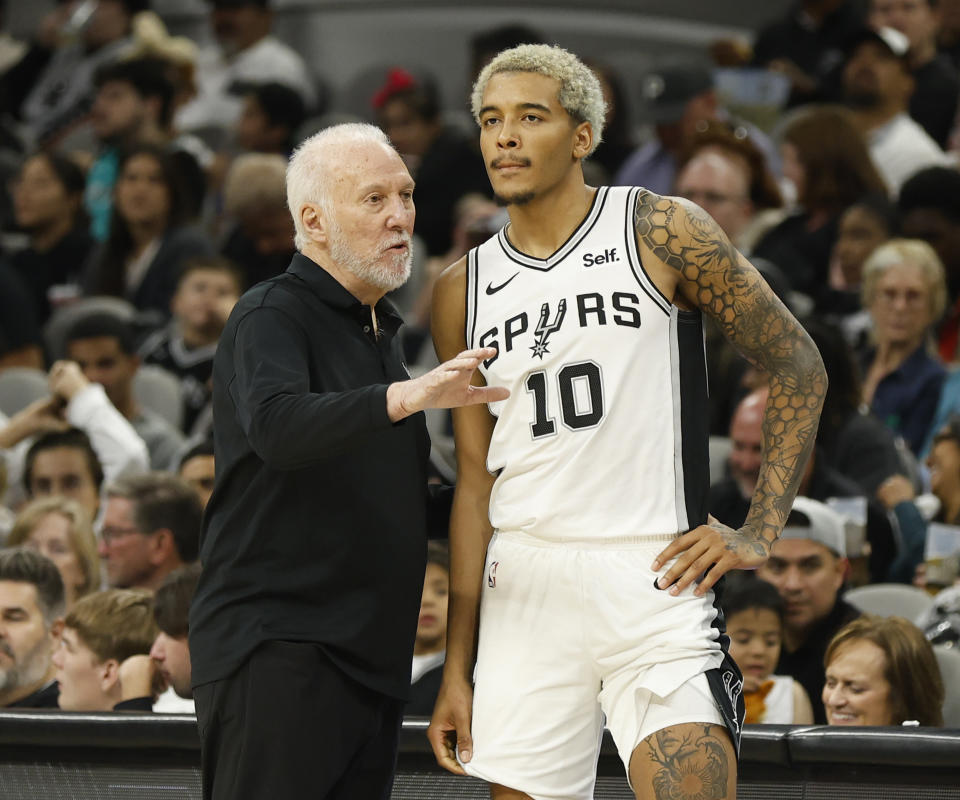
[(430, 646), (149, 240), (102, 345), (197, 469), (851, 440), (905, 291), (171, 651), (60, 529), (825, 159), (929, 207), (81, 437), (754, 613), (727, 176), (51, 88), (48, 206), (245, 53), (936, 81), (271, 116), (133, 104), (64, 464), (882, 671), (19, 332), (102, 661), (151, 526), (443, 161), (31, 605), (877, 87), (677, 99), (807, 43), (255, 197), (863, 227), (808, 566), (898, 495), (730, 499), (206, 292)]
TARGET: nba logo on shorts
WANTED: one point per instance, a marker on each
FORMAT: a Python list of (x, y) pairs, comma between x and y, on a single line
[(492, 575)]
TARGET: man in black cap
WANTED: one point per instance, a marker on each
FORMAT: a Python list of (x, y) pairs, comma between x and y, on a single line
[(677, 100), (877, 87), (937, 82)]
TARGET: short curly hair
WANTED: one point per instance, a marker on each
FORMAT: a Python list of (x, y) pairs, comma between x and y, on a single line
[(580, 93)]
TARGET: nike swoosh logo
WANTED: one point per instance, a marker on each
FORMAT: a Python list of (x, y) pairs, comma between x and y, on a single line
[(491, 289)]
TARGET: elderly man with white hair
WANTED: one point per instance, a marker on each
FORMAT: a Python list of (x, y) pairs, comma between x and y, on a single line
[(314, 542)]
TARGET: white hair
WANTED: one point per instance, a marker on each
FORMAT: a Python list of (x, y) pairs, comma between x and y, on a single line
[(580, 93), (313, 164)]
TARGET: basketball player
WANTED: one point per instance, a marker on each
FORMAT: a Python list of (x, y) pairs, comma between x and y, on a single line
[(579, 533)]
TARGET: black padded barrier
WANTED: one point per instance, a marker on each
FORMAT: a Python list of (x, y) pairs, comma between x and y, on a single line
[(75, 756)]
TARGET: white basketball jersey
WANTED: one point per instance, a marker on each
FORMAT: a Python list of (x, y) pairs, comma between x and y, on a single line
[(605, 432)]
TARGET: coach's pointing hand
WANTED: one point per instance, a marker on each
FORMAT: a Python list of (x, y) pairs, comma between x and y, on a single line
[(446, 386)]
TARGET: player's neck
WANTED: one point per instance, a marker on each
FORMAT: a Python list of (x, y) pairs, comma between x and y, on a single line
[(540, 227)]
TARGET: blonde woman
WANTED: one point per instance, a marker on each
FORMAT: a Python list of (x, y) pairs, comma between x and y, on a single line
[(904, 288), (60, 529)]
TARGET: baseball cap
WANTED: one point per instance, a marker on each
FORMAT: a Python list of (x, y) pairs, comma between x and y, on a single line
[(894, 41), (665, 92), (825, 525)]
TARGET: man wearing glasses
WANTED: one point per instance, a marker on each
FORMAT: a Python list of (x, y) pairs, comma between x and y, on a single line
[(151, 526)]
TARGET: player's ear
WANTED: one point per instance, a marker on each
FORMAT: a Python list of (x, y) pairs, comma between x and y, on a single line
[(582, 140)]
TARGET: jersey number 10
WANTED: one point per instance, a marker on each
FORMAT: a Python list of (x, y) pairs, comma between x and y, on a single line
[(573, 414)]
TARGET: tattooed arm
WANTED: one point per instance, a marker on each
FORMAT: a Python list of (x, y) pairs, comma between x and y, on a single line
[(684, 242)]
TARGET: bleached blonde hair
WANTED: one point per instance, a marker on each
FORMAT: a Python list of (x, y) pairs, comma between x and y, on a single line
[(313, 163), (580, 93)]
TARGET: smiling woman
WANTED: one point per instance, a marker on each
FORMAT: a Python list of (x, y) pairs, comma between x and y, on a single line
[(882, 671)]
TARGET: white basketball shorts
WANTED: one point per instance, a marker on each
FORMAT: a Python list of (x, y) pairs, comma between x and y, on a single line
[(575, 636)]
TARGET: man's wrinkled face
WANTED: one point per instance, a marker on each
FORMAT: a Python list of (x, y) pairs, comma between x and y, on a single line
[(370, 226)]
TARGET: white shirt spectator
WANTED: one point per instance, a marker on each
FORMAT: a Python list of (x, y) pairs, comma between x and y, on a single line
[(120, 450), (269, 60), (901, 148)]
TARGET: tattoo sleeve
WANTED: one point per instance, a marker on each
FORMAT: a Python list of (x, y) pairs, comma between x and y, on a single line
[(728, 288)]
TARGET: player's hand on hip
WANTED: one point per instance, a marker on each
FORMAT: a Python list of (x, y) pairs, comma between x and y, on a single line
[(714, 547), (446, 386), (449, 731)]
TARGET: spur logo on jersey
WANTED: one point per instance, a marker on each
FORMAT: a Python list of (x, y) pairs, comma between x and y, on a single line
[(733, 686), (492, 574), (592, 308), (545, 327), (608, 256)]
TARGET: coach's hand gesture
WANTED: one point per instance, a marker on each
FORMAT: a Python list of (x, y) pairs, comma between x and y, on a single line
[(446, 386)]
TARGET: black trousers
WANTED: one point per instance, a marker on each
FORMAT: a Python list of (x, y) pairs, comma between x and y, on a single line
[(290, 724)]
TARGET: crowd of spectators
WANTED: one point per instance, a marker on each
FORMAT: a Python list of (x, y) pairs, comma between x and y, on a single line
[(148, 192)]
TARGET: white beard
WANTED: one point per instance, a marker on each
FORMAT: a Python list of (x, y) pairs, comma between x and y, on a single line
[(386, 276)]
